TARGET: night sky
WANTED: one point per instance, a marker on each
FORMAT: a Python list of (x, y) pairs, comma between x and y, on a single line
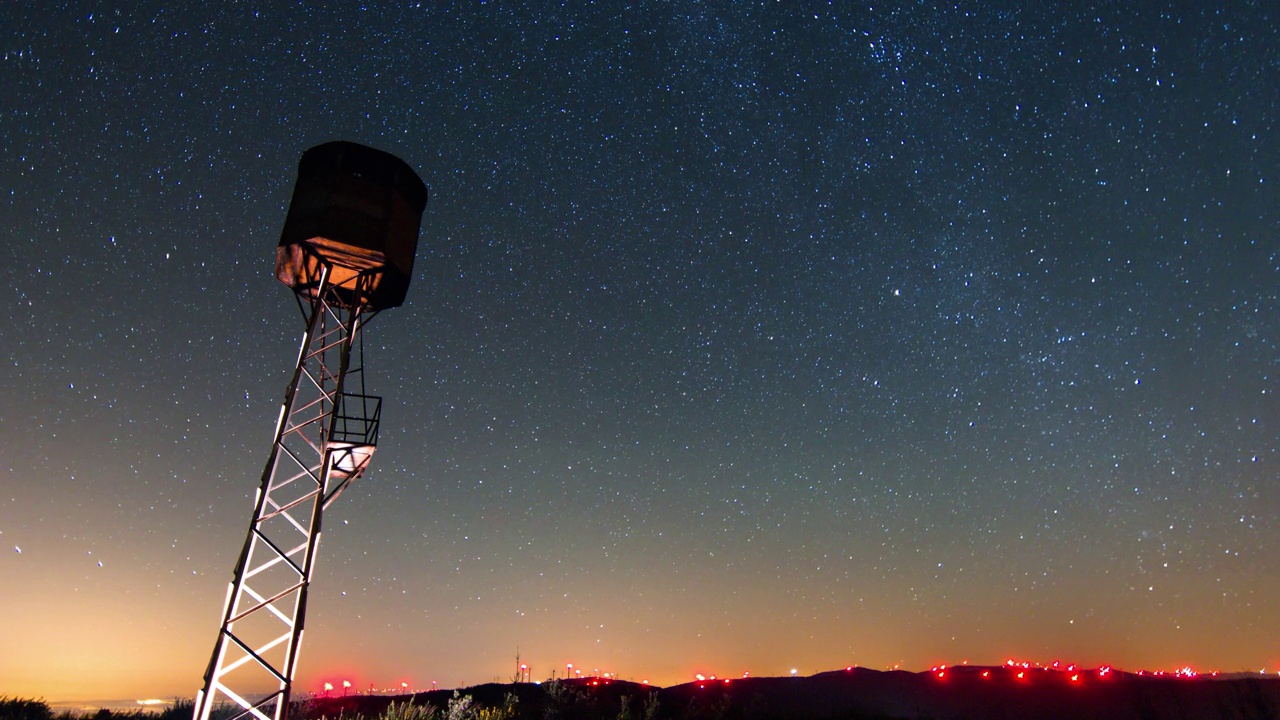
[(742, 337)]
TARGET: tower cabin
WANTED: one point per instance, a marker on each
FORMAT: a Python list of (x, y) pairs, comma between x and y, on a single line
[(357, 210)]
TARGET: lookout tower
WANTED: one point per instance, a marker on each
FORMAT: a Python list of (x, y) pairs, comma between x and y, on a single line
[(347, 253)]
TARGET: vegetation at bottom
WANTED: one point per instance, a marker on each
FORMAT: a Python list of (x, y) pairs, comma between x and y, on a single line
[(23, 709)]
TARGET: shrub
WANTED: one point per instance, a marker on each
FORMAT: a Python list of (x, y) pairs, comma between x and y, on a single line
[(20, 709)]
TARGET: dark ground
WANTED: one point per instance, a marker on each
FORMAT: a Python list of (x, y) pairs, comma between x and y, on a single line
[(962, 693)]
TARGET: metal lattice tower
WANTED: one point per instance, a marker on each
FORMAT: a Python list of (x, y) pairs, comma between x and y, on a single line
[(347, 252)]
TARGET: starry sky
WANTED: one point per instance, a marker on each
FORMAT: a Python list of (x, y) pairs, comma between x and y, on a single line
[(742, 337)]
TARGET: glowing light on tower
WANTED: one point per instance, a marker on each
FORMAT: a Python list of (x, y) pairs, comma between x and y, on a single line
[(347, 253)]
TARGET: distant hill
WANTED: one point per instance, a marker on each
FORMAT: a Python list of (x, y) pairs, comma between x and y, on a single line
[(957, 693)]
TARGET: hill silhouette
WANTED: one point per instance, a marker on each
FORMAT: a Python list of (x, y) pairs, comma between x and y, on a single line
[(957, 693)]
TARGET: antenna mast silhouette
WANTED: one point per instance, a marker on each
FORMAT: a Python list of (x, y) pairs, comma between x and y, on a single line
[(347, 253)]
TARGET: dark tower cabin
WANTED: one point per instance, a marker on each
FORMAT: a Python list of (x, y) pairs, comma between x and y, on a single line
[(356, 209)]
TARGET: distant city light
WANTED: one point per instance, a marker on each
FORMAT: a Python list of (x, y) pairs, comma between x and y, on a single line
[(1070, 672)]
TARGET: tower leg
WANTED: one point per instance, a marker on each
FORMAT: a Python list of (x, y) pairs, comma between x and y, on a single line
[(318, 450)]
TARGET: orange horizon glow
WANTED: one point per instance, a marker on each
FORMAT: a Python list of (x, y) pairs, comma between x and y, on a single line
[(89, 687)]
